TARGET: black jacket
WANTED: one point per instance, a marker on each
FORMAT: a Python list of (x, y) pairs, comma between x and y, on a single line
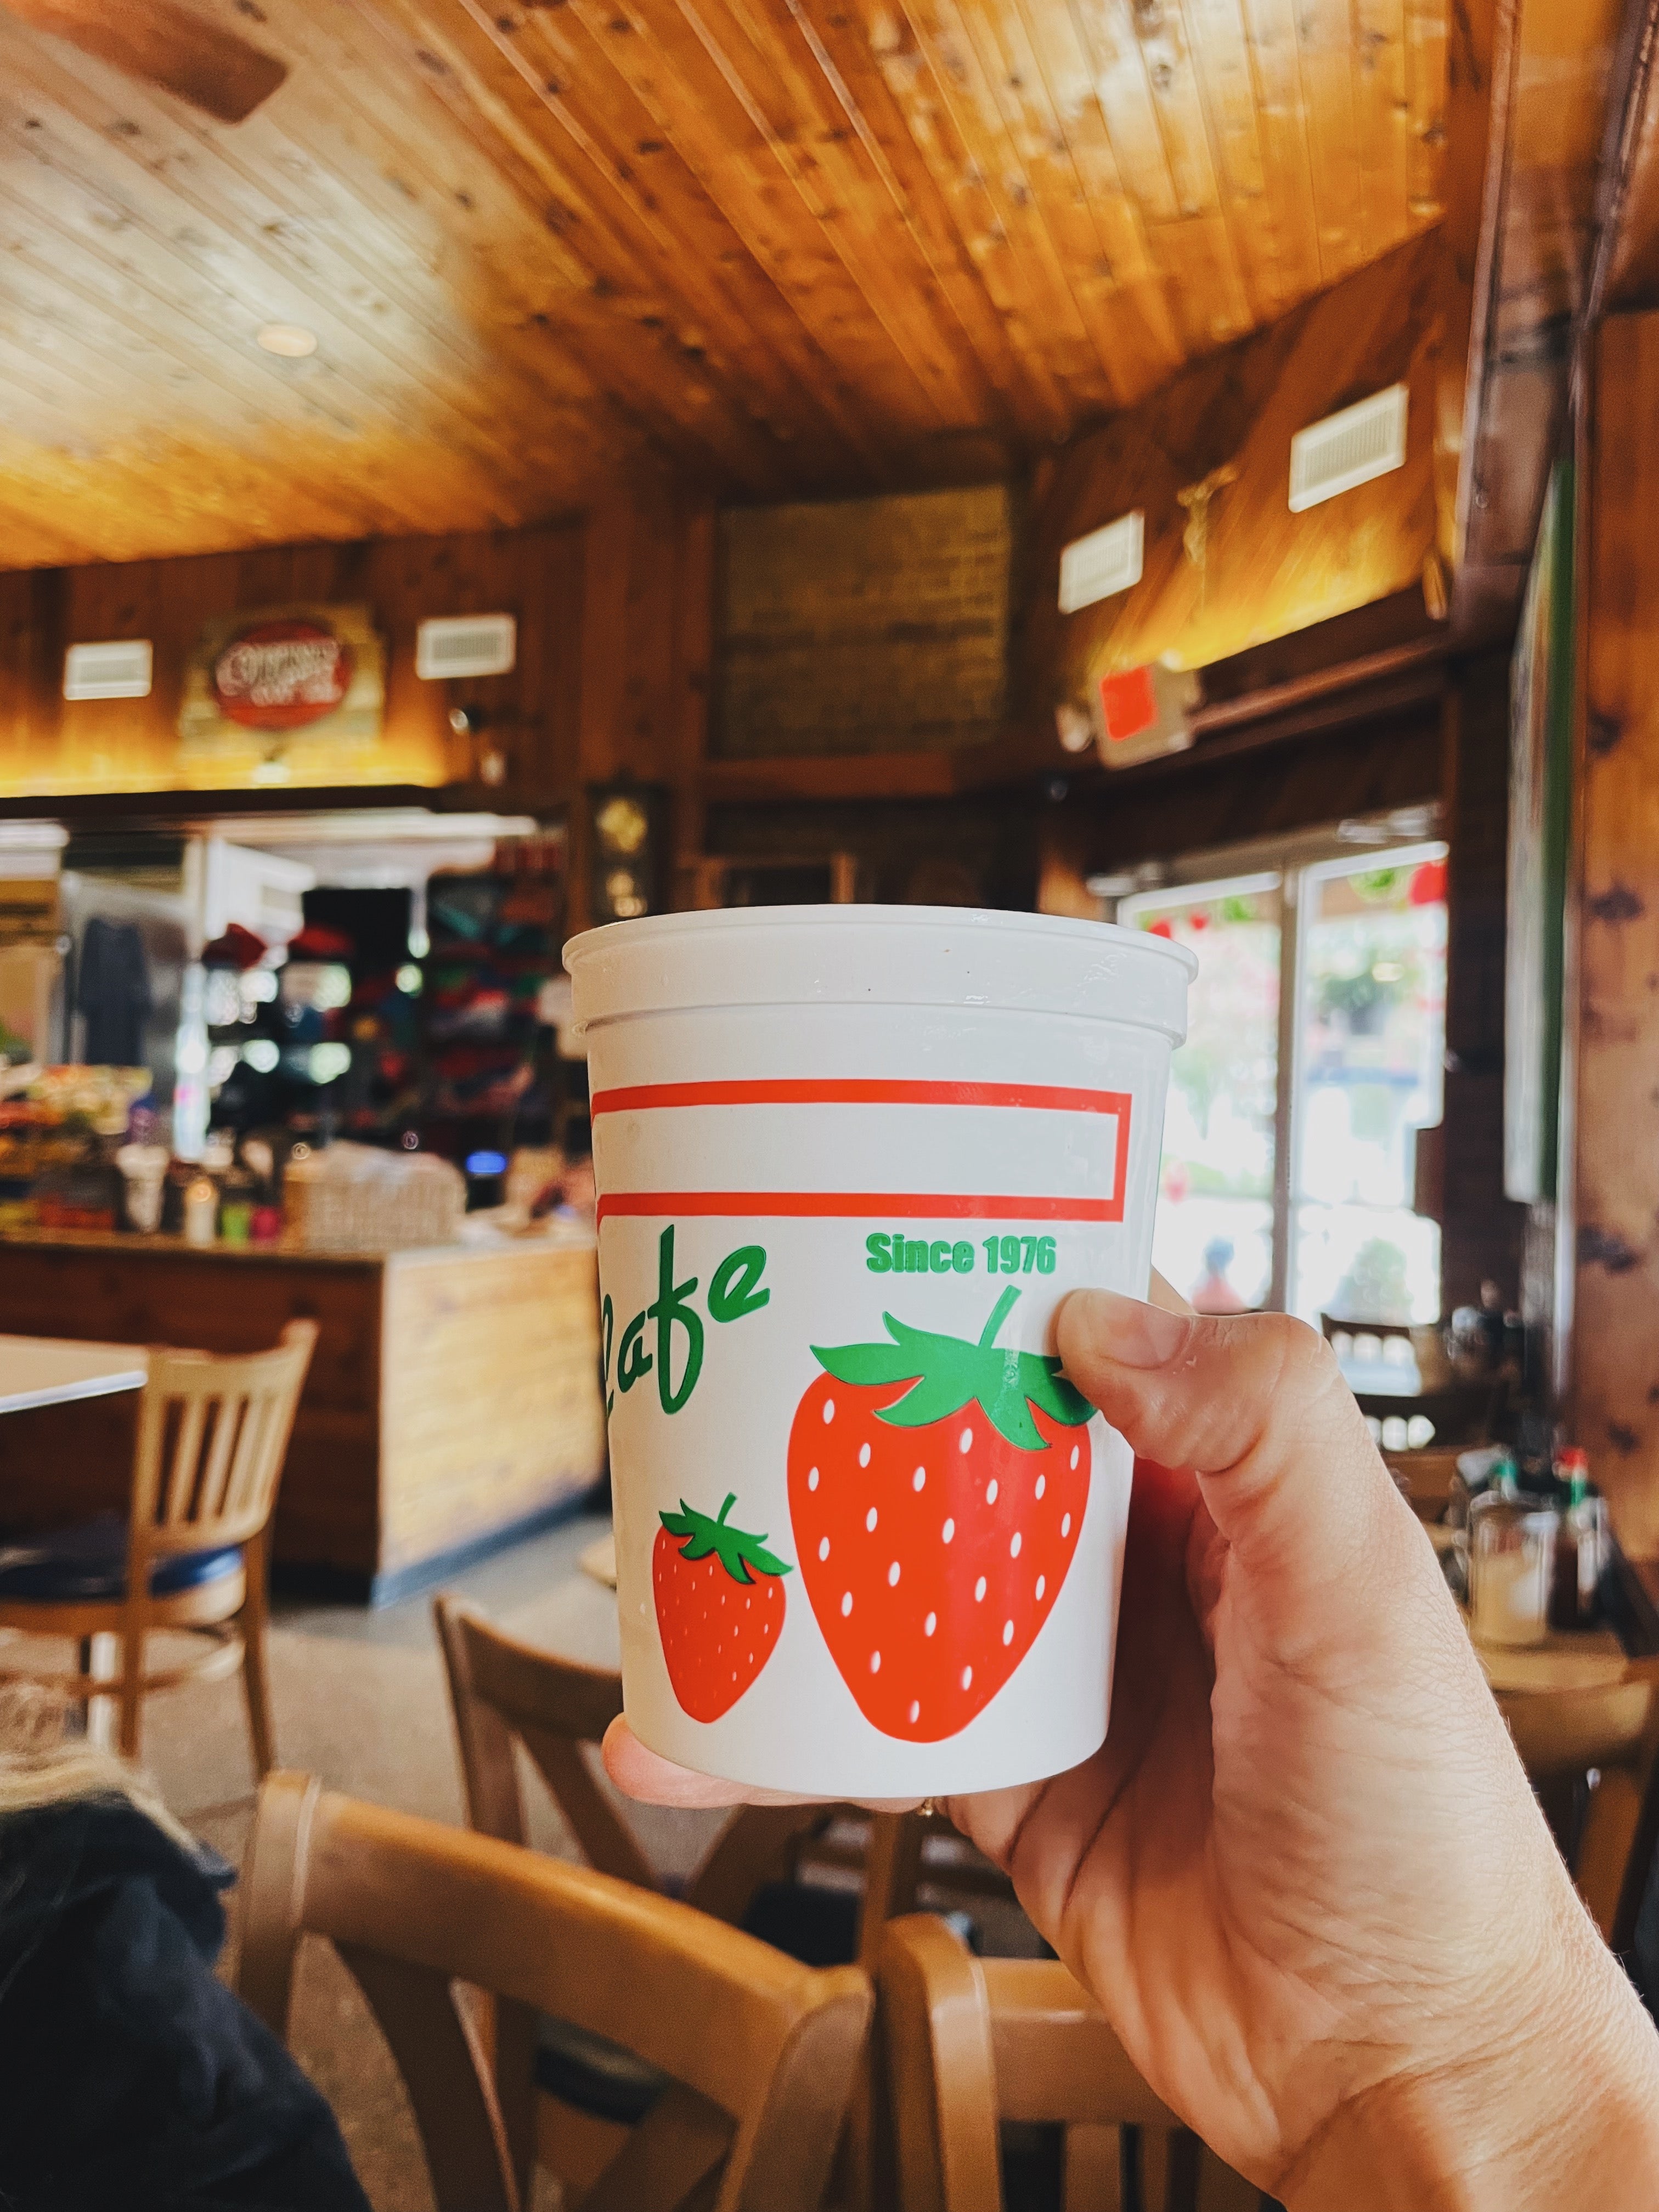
[(129, 2078)]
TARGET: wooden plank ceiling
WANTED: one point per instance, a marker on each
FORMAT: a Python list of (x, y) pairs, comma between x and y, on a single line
[(778, 245)]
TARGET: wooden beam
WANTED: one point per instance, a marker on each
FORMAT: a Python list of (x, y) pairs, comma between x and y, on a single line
[(1561, 74)]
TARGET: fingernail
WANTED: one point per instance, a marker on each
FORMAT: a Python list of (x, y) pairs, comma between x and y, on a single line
[(1124, 1329)]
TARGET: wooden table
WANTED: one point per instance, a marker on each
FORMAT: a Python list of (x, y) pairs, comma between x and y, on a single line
[(57, 1370)]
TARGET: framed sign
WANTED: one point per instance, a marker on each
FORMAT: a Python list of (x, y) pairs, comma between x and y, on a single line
[(266, 676)]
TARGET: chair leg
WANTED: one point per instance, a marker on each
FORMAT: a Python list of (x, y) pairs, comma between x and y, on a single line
[(256, 1677), (132, 1685), (98, 1663)]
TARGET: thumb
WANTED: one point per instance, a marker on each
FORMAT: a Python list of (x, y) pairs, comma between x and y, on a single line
[(1256, 1405)]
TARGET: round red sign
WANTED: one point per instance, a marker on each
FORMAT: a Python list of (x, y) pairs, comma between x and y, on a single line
[(280, 675)]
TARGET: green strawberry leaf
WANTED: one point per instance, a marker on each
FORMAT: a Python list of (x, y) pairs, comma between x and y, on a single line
[(735, 1548), (946, 1373)]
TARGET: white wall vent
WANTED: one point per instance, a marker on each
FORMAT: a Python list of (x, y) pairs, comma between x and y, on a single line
[(466, 645), (119, 669), (1365, 441), (1104, 561)]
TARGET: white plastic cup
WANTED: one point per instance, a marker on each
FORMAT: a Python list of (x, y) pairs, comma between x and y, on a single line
[(144, 1170), (868, 1543)]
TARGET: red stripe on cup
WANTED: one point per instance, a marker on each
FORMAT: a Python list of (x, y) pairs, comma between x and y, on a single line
[(881, 1205), (860, 1090)]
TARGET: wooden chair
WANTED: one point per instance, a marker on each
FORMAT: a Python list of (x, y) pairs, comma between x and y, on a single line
[(1569, 1733), (192, 1555), (502, 1690), (970, 2044), (758, 2051)]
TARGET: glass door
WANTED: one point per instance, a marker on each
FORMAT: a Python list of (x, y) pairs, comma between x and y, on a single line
[(1313, 1056), (1215, 1239), (1370, 1056)]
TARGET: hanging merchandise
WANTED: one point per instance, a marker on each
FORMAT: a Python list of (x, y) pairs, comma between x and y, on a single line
[(114, 993)]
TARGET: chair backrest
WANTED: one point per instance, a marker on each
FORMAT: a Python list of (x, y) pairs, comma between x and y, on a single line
[(213, 1433), (501, 1689), (971, 2043), (1612, 1728), (761, 2052)]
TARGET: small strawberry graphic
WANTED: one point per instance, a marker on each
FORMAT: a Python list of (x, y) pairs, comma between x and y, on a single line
[(719, 1607), (937, 1490)]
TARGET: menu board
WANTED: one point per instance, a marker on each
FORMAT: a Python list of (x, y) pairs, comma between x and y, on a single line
[(870, 625)]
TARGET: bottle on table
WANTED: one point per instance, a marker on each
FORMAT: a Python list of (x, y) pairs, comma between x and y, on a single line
[(1581, 1545), (1511, 1540)]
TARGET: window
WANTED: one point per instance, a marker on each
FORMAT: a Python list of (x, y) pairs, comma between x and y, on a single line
[(1314, 1056)]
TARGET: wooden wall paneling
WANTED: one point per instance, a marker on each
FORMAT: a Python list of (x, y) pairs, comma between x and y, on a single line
[(1266, 571), (1214, 796), (782, 248), (1615, 1107), (646, 638), (52, 747)]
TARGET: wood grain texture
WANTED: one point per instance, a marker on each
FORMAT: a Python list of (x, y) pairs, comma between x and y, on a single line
[(1264, 571), (490, 1395), (777, 246), (52, 747), (1559, 76), (448, 1396), (1615, 1371)]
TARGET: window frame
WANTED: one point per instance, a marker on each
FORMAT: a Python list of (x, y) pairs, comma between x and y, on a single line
[(1293, 863)]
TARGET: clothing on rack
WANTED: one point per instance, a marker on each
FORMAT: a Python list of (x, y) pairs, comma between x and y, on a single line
[(113, 993)]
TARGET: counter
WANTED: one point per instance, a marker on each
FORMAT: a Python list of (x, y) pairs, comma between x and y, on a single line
[(453, 1400)]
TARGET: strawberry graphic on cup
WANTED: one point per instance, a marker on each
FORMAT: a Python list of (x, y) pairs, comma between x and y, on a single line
[(937, 1490), (719, 1607)]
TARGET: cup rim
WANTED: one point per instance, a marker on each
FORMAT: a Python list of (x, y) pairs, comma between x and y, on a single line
[(1000, 920)]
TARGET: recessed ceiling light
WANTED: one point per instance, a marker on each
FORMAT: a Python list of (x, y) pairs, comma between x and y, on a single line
[(289, 340)]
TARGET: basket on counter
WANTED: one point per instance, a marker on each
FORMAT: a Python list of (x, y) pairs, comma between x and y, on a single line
[(352, 1197)]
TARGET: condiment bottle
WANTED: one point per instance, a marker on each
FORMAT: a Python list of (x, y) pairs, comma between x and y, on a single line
[(1581, 1549), (1511, 1566), (201, 1212)]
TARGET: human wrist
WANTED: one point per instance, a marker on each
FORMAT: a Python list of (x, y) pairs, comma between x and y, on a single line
[(1559, 2112)]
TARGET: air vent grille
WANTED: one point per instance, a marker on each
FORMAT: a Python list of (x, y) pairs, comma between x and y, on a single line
[(1365, 441), (466, 645), (1105, 561), (119, 668)]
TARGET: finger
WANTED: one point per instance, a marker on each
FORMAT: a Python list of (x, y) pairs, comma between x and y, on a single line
[(1164, 1294), (1257, 1404), (653, 1780), (656, 1781)]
